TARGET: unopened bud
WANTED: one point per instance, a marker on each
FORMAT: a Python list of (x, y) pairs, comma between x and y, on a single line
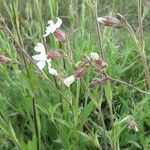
[(95, 82), (60, 35), (132, 125), (99, 61), (80, 72), (121, 19), (108, 21), (4, 59), (54, 55)]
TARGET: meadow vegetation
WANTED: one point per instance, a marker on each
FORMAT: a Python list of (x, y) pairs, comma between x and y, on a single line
[(107, 107)]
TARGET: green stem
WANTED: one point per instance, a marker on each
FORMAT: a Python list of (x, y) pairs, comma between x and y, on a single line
[(35, 124), (98, 31), (111, 112), (57, 86), (64, 63), (102, 117), (143, 55), (139, 44)]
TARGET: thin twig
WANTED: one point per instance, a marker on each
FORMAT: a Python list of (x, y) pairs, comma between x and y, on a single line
[(129, 85)]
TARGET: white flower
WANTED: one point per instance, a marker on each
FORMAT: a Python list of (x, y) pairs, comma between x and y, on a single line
[(94, 56), (42, 59), (51, 71), (68, 81), (51, 27)]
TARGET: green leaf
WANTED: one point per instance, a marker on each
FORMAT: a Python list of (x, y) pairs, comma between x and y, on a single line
[(108, 91)]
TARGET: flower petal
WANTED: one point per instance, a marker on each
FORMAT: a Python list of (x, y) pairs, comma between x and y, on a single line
[(101, 19), (53, 71), (94, 56), (50, 28), (39, 47), (49, 63), (41, 57), (50, 23), (68, 81), (41, 64), (58, 23)]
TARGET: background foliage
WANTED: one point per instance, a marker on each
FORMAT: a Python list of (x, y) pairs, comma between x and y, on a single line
[(79, 126)]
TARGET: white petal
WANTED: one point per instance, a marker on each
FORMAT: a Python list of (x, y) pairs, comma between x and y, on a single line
[(50, 28), (101, 20), (39, 47), (136, 129), (53, 71), (58, 23), (49, 63), (41, 64), (50, 23), (68, 81), (38, 57), (94, 56)]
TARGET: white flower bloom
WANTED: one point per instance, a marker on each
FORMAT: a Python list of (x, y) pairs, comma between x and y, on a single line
[(51, 27), (42, 59), (39, 48), (68, 81), (94, 56), (51, 71)]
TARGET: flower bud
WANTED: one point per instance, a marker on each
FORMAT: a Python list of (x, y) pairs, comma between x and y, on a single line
[(95, 82), (99, 61), (80, 72), (121, 19), (108, 21), (4, 59), (60, 35), (132, 125), (54, 55)]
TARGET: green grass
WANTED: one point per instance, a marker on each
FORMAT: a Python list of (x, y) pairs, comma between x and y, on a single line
[(37, 114)]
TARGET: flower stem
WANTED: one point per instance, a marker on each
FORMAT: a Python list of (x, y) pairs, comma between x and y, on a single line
[(64, 63), (129, 85), (57, 86), (35, 124), (141, 41), (98, 31), (102, 117)]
